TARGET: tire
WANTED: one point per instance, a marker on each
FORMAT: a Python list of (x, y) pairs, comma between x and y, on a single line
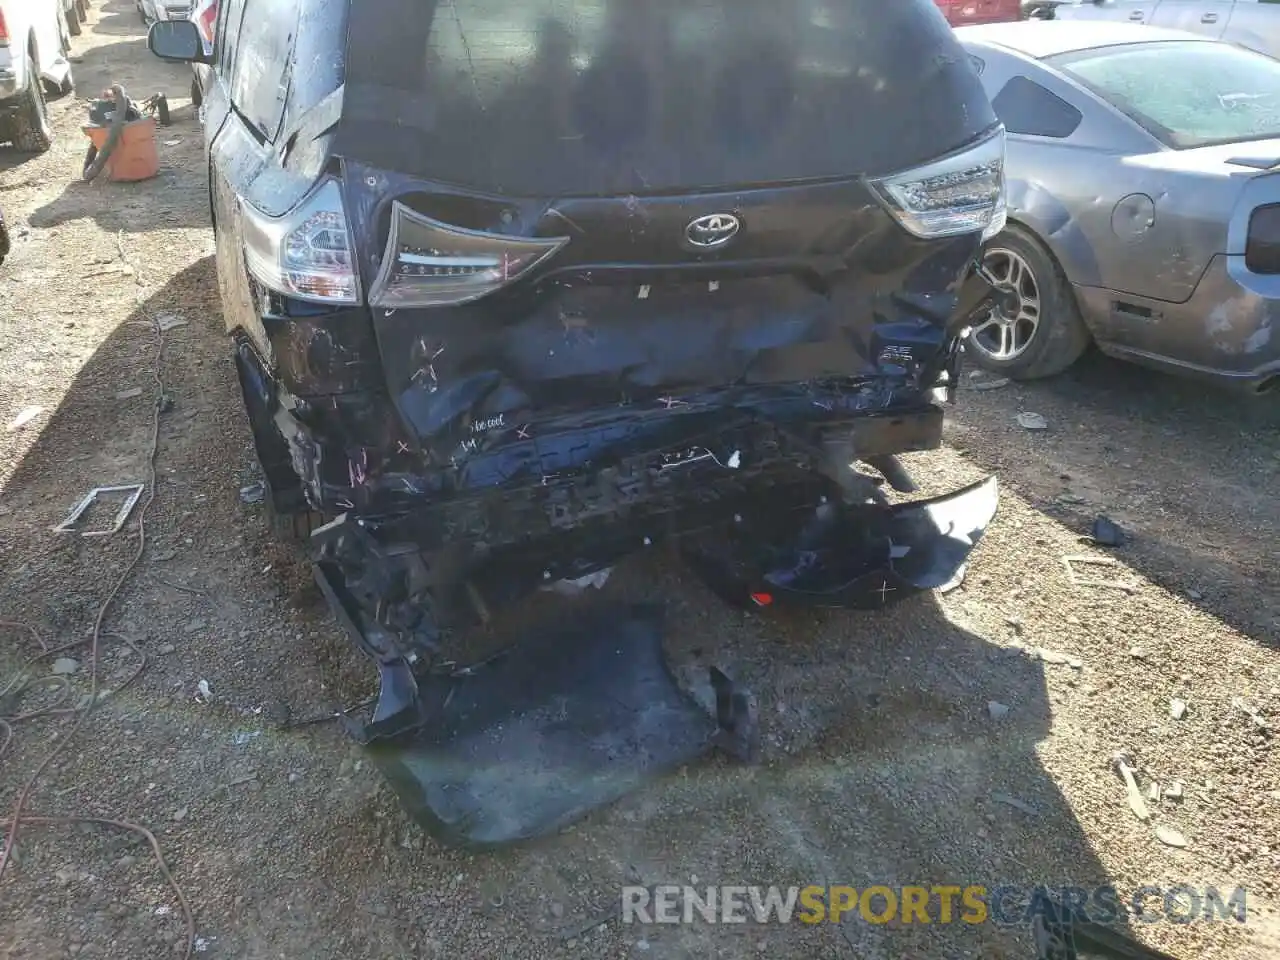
[(32, 132), (82, 10), (73, 22), (196, 96), (1048, 334)]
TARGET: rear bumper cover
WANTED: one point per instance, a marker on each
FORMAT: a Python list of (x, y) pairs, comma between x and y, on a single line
[(568, 720), (862, 558), (565, 722), (755, 482), (1227, 332)]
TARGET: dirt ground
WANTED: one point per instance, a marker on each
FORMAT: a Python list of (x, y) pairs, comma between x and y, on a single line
[(883, 762)]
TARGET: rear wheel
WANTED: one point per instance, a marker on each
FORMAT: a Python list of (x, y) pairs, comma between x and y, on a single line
[(32, 132), (82, 10), (1038, 331), (73, 21), (196, 96)]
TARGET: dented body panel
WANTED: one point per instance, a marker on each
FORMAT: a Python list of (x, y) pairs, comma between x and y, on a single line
[(1228, 330), (638, 380), (1151, 237), (823, 293), (575, 282)]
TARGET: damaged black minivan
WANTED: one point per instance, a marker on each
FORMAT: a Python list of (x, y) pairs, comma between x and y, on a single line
[(519, 287)]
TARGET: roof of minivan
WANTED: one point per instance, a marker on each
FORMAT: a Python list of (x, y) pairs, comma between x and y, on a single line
[(539, 100), (1039, 39)]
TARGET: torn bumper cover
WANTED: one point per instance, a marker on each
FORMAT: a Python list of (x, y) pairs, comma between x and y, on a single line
[(560, 725), (757, 485), (862, 557), (568, 720)]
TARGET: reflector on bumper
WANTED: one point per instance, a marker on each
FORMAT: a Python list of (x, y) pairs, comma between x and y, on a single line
[(859, 557)]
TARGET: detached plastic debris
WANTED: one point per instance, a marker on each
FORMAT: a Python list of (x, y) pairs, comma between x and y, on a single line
[(573, 588), (24, 418), (1107, 533), (253, 493), (564, 722)]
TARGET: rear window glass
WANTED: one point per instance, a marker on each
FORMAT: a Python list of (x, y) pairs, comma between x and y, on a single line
[(622, 96), (1186, 94)]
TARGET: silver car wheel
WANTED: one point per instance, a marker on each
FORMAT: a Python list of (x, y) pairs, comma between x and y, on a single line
[(1005, 334)]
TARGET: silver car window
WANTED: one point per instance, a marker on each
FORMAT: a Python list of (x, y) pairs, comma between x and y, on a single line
[(1186, 94)]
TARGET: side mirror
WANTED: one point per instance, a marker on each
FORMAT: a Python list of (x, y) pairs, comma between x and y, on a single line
[(176, 40)]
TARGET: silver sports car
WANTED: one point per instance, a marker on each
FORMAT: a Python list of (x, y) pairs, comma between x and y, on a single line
[(1144, 200)]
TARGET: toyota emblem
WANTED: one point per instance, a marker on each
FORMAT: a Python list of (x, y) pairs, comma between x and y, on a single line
[(713, 230)]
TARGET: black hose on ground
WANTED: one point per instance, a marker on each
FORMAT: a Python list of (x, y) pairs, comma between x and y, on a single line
[(95, 160)]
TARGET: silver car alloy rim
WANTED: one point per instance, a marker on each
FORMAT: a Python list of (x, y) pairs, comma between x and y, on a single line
[(1005, 335)]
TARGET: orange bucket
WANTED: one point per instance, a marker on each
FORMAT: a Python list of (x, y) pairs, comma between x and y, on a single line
[(135, 156)]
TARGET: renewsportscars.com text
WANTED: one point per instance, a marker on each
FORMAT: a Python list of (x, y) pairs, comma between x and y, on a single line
[(936, 903)]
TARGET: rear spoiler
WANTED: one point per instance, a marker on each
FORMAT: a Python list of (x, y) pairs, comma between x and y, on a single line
[(1256, 163)]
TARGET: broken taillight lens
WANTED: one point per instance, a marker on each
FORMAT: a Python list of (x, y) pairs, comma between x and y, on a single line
[(307, 253), (1262, 249), (432, 264), (962, 193)]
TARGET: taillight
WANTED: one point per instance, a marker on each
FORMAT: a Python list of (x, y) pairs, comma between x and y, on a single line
[(4, 31), (1262, 249), (962, 193), (307, 253), (432, 264)]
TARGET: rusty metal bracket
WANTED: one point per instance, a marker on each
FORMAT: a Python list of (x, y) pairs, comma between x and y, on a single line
[(135, 494), (1071, 562)]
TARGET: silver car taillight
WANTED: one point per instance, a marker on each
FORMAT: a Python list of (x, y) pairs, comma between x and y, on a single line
[(432, 264), (307, 253), (962, 193)]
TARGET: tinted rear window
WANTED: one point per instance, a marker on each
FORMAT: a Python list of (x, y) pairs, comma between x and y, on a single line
[(1186, 94), (628, 96)]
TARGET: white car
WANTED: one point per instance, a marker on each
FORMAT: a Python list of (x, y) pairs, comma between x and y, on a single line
[(1251, 23), (153, 10), (33, 47)]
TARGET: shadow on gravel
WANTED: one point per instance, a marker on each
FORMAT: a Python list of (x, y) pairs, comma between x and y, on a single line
[(1204, 462), (12, 159), (883, 764), (120, 18), (115, 386)]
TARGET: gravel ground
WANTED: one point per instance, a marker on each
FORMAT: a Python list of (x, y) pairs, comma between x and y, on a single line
[(883, 763)]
